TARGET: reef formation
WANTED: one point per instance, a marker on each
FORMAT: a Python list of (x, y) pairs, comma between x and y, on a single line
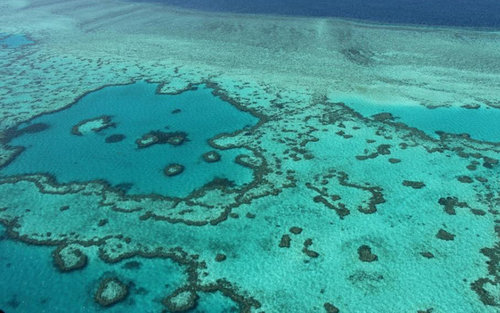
[(340, 212)]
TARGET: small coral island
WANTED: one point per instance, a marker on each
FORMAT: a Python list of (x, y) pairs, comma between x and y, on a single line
[(111, 291), (158, 137), (173, 169), (69, 257), (181, 301), (95, 125), (211, 156)]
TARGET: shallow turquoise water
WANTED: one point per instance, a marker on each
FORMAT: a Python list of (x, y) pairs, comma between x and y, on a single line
[(481, 124), (136, 109), (405, 225), (14, 41)]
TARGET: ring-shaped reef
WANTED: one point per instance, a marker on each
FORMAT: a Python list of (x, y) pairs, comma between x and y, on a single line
[(134, 112)]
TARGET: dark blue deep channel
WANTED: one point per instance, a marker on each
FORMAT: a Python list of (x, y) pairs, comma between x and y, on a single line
[(468, 13)]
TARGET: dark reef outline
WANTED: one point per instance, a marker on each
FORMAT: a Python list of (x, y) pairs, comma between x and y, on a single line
[(260, 171), (190, 263), (107, 123), (226, 288)]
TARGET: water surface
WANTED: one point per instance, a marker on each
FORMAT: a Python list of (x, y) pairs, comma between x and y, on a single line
[(469, 13), (135, 111), (481, 123)]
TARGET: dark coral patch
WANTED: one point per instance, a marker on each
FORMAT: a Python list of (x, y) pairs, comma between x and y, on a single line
[(365, 254), (11, 133), (132, 265), (219, 182), (413, 184), (384, 149), (330, 308), (384, 116), (114, 138), (427, 254), (310, 253), (480, 285), (340, 209), (34, 128), (158, 137), (175, 139), (285, 241), (472, 166), (481, 179), (450, 203), (465, 179), (489, 162), (444, 235), (478, 212)]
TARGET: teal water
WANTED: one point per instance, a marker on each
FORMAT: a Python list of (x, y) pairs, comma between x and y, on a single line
[(480, 124), (35, 285), (136, 110), (14, 41), (431, 236), (214, 302)]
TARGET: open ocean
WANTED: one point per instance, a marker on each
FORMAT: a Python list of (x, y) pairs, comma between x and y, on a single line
[(466, 13)]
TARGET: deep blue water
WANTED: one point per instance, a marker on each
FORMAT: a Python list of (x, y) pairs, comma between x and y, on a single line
[(469, 13)]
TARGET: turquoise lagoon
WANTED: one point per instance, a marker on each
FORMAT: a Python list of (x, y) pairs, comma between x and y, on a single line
[(480, 123), (13, 41), (135, 110)]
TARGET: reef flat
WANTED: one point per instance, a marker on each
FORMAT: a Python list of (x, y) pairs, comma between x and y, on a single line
[(341, 212)]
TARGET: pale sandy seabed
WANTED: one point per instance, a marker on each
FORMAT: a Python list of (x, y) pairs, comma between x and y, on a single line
[(346, 180)]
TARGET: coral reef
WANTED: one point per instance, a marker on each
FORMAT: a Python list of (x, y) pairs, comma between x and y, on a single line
[(173, 169), (110, 292), (211, 156)]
